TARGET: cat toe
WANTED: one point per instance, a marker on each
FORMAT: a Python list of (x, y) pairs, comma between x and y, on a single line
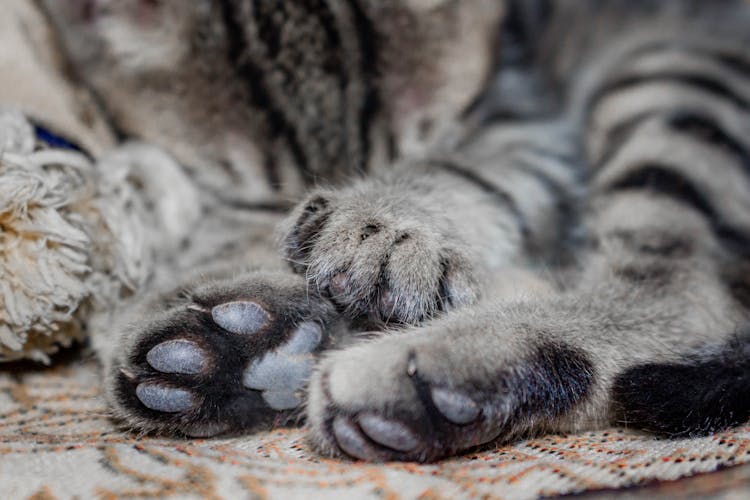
[(350, 440)]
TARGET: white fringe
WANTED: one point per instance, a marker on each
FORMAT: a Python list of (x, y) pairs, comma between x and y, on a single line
[(76, 238)]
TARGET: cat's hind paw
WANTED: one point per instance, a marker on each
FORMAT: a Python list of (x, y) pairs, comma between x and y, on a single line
[(234, 356)]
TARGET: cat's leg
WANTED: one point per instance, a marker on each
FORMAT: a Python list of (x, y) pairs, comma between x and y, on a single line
[(650, 295), (647, 335), (424, 238), (228, 346), (395, 249)]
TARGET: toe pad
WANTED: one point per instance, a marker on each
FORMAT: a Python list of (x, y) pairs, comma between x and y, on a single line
[(240, 317), (166, 399)]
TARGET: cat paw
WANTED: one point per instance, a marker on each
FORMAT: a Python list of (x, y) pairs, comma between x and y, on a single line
[(388, 259), (419, 397), (236, 355), (393, 408)]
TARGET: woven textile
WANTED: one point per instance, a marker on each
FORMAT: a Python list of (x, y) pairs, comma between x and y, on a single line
[(57, 442)]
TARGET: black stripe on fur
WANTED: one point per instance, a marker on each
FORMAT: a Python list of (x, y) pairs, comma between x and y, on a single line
[(668, 181), (705, 129), (731, 58), (705, 393), (368, 42), (553, 381), (702, 82), (617, 136), (249, 72), (503, 197)]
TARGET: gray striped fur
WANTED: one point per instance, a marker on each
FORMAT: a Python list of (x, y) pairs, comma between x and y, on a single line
[(527, 249)]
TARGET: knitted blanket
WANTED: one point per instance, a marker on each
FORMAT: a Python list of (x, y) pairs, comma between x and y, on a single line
[(56, 441), (70, 249)]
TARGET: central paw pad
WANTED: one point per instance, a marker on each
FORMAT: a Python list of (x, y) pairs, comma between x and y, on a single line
[(283, 373)]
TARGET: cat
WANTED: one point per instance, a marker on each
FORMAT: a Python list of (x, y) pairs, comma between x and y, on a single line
[(541, 206)]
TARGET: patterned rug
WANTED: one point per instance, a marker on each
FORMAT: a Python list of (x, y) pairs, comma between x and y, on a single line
[(57, 442)]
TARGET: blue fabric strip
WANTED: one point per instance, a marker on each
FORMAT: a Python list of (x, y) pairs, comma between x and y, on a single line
[(53, 140)]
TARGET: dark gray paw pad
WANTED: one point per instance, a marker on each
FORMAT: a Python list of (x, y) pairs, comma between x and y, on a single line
[(351, 441), (241, 317), (178, 356), (166, 399), (389, 433), (455, 407)]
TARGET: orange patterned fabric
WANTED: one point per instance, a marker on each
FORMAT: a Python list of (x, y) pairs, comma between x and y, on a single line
[(57, 442)]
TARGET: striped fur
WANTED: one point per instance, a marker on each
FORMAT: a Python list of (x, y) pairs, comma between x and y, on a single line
[(293, 93), (580, 235)]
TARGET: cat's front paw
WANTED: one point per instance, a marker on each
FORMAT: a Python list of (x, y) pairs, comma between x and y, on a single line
[(234, 355), (425, 395), (392, 259), (382, 401)]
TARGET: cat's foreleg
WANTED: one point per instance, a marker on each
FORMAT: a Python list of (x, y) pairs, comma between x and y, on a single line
[(424, 238), (650, 295)]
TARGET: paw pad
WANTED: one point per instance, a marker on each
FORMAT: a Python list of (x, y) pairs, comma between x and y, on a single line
[(238, 356), (454, 406), (241, 317), (277, 371), (282, 400), (166, 399), (280, 374), (389, 433), (177, 356), (305, 340), (350, 440)]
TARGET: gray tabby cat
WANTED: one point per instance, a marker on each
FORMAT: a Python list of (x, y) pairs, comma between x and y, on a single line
[(460, 141)]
